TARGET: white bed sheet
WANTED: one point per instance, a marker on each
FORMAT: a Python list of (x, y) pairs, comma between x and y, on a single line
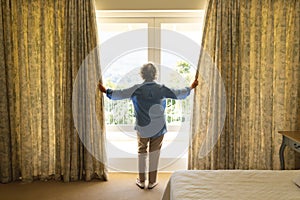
[(232, 184)]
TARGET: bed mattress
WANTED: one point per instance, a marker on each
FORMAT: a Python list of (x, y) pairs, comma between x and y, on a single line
[(232, 184)]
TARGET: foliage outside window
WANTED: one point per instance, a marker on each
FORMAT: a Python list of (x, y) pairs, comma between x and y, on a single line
[(177, 111)]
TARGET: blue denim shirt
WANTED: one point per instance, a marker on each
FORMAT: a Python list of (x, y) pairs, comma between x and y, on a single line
[(149, 101)]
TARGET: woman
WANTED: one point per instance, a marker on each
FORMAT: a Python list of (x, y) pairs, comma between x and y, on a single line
[(149, 105)]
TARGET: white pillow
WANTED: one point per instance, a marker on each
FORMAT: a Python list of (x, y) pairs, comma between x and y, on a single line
[(297, 181)]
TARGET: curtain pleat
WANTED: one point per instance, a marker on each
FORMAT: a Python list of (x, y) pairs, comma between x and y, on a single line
[(5, 139), (255, 47), (44, 45)]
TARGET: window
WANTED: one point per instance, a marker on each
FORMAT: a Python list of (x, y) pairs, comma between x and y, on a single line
[(159, 37)]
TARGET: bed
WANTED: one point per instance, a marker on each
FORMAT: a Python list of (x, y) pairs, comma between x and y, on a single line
[(233, 184)]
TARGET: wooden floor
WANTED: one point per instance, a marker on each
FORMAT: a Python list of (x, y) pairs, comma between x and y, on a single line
[(121, 186)]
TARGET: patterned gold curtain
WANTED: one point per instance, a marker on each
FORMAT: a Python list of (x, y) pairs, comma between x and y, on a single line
[(43, 46), (255, 45)]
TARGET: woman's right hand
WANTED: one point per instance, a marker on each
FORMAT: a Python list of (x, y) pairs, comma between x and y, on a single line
[(101, 88)]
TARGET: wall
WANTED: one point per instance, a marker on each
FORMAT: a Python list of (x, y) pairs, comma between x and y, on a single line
[(150, 4)]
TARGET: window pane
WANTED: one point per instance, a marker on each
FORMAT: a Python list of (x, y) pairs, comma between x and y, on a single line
[(123, 72), (191, 30), (176, 70)]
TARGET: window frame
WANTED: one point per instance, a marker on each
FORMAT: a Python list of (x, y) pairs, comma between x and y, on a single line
[(154, 19)]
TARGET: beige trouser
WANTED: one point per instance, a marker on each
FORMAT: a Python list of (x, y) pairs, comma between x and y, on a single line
[(154, 152)]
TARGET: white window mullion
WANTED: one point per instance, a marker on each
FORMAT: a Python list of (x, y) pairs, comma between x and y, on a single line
[(157, 46), (154, 38), (151, 40)]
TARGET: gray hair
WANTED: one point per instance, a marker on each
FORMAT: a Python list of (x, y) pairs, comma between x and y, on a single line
[(149, 72)]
